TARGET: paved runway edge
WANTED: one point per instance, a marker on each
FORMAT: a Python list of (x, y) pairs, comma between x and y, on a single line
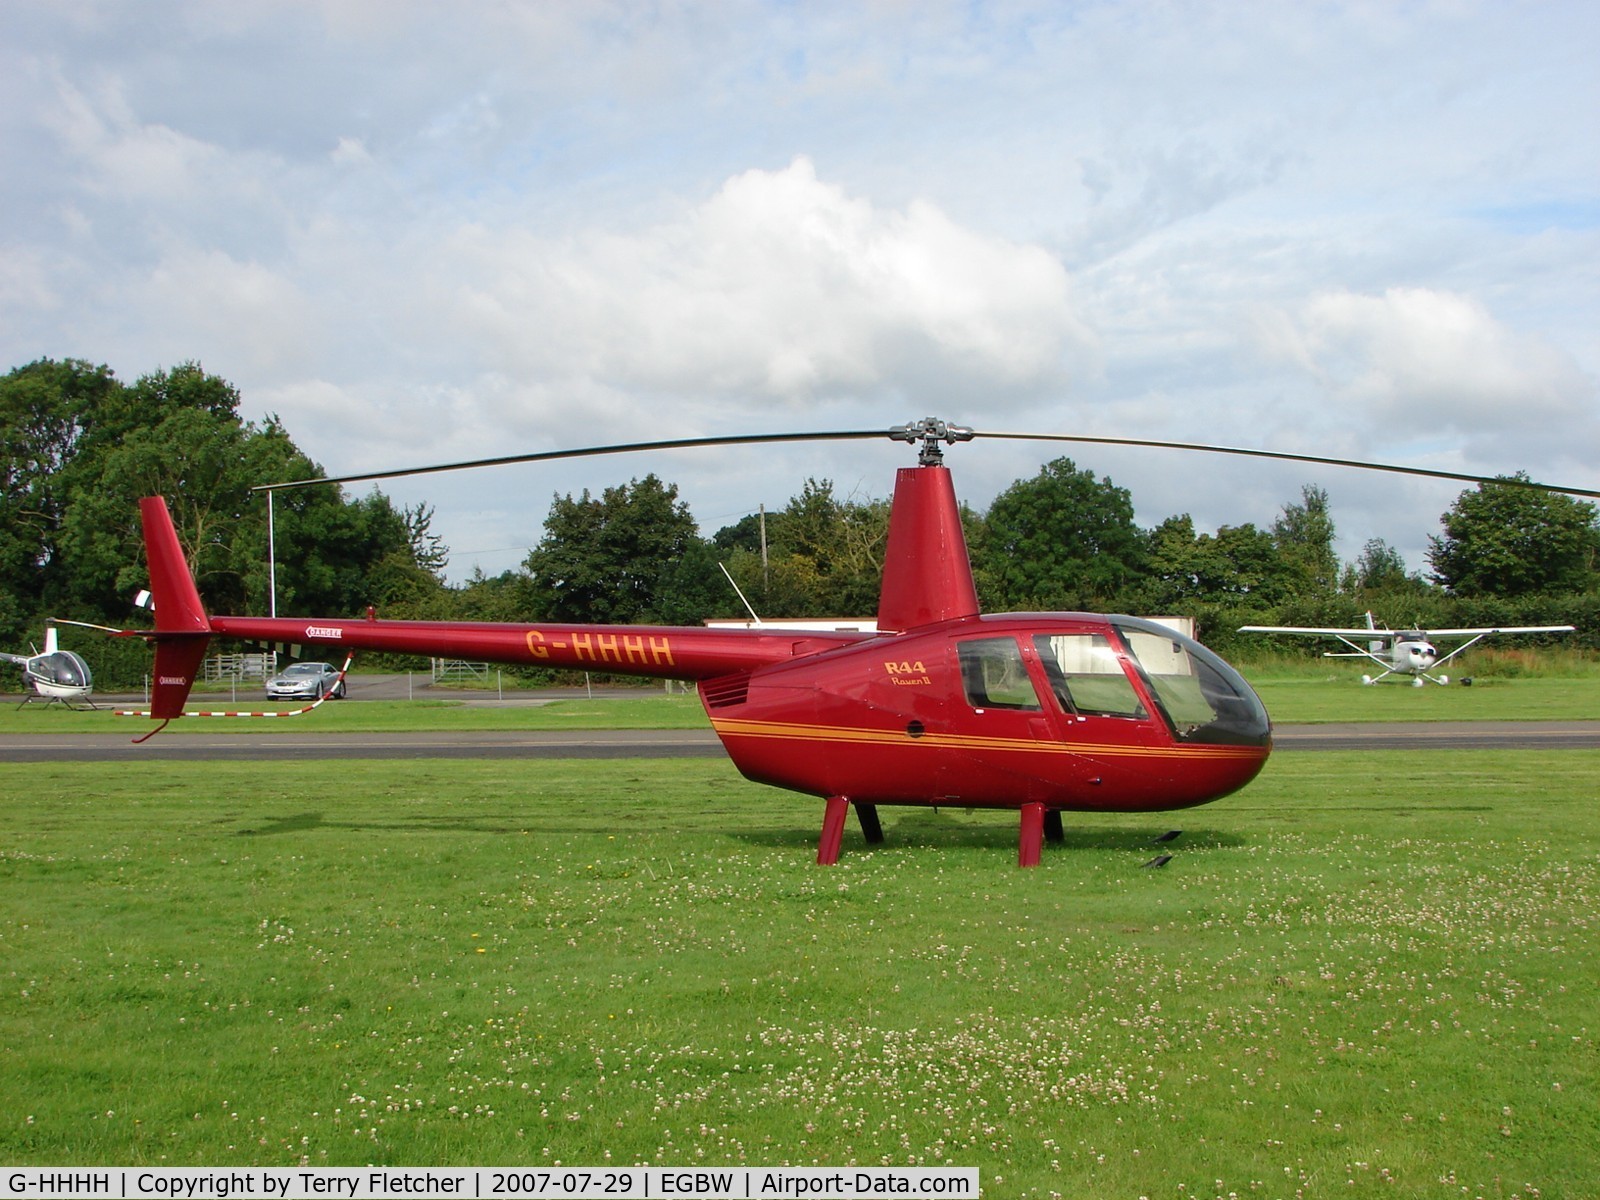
[(224, 745)]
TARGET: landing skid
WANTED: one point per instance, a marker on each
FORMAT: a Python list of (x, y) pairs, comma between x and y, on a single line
[(1037, 825), (75, 705)]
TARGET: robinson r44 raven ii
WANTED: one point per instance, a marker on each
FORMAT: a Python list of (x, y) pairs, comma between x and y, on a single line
[(1038, 713)]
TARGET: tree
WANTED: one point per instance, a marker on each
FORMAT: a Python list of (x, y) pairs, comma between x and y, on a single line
[(824, 555), (336, 557), (1237, 563), (503, 597), (1175, 570), (610, 560), (1059, 540), (44, 409), (839, 547), (427, 548), (178, 434), (1380, 568), (1303, 534), (80, 449), (193, 459), (1503, 539), (693, 587), (1245, 561)]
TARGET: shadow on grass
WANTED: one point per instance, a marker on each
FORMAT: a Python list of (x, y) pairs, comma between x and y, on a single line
[(916, 828), (933, 829), (307, 822)]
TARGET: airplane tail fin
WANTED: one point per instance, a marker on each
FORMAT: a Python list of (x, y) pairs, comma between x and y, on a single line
[(183, 631)]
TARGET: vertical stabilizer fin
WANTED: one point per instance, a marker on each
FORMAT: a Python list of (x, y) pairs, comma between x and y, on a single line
[(177, 600), (183, 631), (927, 575)]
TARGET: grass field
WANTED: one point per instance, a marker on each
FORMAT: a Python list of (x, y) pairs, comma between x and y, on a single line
[(1302, 700), (650, 710), (1291, 698), (1356, 978)]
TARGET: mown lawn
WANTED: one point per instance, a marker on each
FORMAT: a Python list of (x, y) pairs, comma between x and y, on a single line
[(1342, 697), (1359, 977), (1291, 698)]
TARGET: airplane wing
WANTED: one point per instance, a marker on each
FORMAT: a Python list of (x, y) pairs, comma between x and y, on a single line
[(1491, 630), (1328, 631), (1316, 631)]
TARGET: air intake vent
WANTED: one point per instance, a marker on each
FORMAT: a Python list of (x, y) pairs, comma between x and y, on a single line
[(726, 692)]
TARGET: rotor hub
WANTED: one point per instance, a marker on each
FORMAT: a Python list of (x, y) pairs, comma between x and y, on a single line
[(931, 431)]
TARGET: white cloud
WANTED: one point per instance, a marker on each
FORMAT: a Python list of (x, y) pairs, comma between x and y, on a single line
[(430, 232), (121, 156), (247, 313), (26, 283), (779, 286), (1422, 362)]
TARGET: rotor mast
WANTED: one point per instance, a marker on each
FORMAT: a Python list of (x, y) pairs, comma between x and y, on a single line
[(927, 575), (932, 431)]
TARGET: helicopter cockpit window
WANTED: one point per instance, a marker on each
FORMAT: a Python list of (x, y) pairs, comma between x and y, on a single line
[(63, 667), (1202, 697), (994, 675), (1087, 676)]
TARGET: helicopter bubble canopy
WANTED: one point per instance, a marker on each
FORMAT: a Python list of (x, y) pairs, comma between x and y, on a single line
[(62, 667)]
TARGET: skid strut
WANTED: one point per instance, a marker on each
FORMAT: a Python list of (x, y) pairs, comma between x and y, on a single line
[(833, 817), (1028, 845), (832, 830)]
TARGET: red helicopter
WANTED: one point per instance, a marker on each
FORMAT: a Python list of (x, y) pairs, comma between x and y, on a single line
[(1041, 713)]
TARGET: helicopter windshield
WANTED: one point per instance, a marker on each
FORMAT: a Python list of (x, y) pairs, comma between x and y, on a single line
[(1202, 697), (63, 667)]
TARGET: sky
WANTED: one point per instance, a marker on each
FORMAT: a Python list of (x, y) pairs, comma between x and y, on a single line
[(423, 232)]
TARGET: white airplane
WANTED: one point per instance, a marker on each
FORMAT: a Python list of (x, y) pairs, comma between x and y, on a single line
[(56, 674), (1403, 652)]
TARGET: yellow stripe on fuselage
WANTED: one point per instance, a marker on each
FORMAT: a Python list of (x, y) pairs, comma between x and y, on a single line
[(840, 735)]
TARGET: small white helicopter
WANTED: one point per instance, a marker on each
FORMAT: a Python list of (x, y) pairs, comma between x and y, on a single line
[(54, 675), (1409, 652)]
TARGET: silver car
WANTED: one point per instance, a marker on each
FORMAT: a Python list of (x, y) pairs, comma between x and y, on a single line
[(306, 681)]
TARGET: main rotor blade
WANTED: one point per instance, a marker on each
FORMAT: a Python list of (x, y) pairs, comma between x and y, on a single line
[(912, 433), (585, 452), (1509, 481)]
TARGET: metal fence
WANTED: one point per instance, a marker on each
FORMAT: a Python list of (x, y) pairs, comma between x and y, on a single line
[(455, 670), (222, 667)]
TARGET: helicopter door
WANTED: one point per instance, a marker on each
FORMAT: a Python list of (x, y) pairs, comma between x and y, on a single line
[(1093, 686), (1004, 715), (1087, 677)]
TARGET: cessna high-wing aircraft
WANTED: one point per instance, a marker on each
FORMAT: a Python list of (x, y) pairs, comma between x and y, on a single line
[(56, 674), (1409, 652)]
